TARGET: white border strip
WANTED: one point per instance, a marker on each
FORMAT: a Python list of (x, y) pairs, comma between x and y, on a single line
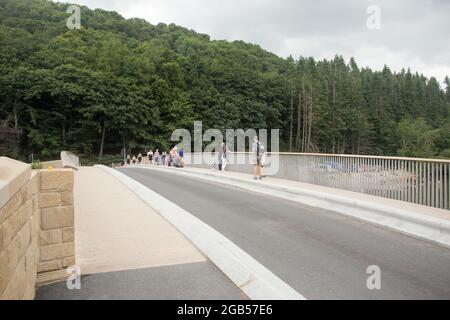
[(256, 281), (405, 221)]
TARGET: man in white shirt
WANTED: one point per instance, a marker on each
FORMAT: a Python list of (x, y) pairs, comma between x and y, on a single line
[(256, 152)]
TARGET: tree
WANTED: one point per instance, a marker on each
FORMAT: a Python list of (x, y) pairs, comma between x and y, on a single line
[(417, 138), (127, 84)]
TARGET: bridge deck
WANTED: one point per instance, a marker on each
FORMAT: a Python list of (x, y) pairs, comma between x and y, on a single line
[(127, 251), (115, 230), (321, 254), (425, 210)]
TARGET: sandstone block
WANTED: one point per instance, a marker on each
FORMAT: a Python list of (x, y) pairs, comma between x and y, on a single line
[(35, 203), (30, 293), (50, 237), (20, 277), (47, 200), (11, 292), (10, 207), (67, 198), (25, 238), (68, 235), (57, 217), (2, 238), (49, 266), (57, 180), (11, 228), (17, 284), (35, 225), (57, 251), (68, 262), (4, 271), (31, 258), (16, 222)]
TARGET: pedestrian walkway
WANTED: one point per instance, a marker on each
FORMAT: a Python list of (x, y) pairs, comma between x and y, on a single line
[(129, 251), (115, 230)]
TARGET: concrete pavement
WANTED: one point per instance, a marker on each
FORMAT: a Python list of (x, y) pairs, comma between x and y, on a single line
[(321, 254), (255, 280), (126, 250), (116, 231), (193, 281)]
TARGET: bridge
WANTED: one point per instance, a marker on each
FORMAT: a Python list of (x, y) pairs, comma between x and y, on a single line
[(322, 227)]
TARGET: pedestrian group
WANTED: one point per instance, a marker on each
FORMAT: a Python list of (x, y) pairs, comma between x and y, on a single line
[(175, 158)]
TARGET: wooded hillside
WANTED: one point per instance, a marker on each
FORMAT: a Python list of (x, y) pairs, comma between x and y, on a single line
[(119, 82)]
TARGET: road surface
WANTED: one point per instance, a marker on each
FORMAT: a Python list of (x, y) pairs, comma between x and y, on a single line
[(321, 254), (192, 281)]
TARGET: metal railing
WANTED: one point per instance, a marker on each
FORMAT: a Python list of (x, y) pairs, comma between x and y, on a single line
[(420, 181)]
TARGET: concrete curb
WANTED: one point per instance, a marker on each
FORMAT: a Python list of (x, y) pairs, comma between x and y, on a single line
[(408, 222), (256, 281)]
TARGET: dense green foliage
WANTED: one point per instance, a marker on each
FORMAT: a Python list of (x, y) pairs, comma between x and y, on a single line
[(119, 82)]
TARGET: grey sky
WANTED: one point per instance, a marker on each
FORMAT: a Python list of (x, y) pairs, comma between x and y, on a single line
[(414, 33)]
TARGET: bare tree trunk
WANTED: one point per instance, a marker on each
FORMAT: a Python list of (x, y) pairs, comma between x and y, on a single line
[(16, 121), (124, 146), (311, 105), (305, 119), (16, 116), (299, 121), (292, 121), (334, 114), (359, 142), (102, 144)]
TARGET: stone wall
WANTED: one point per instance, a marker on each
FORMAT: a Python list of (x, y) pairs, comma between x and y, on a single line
[(56, 239), (19, 242), (36, 226)]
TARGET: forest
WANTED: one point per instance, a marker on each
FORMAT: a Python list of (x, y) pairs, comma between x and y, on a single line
[(125, 83)]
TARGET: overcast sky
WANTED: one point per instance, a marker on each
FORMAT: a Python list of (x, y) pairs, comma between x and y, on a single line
[(414, 33)]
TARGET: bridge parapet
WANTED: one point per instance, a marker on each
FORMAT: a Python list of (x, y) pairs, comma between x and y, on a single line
[(70, 160), (416, 180), (36, 227)]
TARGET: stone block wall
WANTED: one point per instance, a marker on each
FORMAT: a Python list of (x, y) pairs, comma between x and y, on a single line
[(36, 227), (56, 240), (19, 242)]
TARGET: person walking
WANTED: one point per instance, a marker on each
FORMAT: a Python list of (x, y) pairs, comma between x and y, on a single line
[(220, 157), (133, 160), (128, 159), (263, 161), (156, 156), (150, 156), (163, 158), (181, 155), (139, 159), (256, 152), (223, 157), (173, 156)]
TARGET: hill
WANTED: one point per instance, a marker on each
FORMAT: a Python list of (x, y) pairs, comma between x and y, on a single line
[(119, 82)]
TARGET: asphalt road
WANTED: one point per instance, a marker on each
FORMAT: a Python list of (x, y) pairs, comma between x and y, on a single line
[(193, 281), (321, 254)]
